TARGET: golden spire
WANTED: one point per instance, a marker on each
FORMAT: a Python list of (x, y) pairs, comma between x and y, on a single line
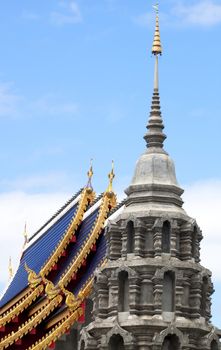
[(25, 234), (157, 47), (90, 174), (111, 177), (10, 269)]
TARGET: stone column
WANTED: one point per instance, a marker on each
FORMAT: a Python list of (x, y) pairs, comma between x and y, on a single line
[(134, 294), (113, 296), (147, 296), (157, 292), (157, 241), (173, 239), (195, 296), (139, 239), (179, 293)]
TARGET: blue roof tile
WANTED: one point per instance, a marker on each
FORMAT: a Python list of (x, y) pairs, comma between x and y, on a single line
[(36, 255)]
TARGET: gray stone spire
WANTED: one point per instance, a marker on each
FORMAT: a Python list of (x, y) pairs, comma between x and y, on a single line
[(154, 183), (155, 136)]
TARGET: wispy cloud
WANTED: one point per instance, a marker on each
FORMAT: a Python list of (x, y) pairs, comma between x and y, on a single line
[(14, 105), (37, 183), (204, 13), (36, 209), (203, 202), (68, 13)]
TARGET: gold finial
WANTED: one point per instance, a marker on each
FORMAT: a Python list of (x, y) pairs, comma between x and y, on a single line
[(157, 47), (111, 177), (10, 269), (90, 174), (25, 234)]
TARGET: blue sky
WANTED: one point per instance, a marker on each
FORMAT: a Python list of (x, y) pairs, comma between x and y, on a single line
[(76, 81)]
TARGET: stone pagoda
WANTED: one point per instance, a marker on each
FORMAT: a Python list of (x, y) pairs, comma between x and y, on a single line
[(152, 293)]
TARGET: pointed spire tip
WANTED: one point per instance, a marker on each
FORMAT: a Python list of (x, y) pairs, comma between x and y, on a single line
[(157, 47)]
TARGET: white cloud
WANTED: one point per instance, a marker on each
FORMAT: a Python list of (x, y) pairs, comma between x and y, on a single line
[(204, 13), (16, 208), (37, 183), (69, 13), (14, 105), (198, 13), (203, 202)]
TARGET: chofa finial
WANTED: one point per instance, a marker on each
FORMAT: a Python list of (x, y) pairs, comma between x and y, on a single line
[(90, 174), (10, 268), (25, 234), (111, 177)]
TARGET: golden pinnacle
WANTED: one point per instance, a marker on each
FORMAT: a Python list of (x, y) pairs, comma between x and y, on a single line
[(157, 47), (111, 177)]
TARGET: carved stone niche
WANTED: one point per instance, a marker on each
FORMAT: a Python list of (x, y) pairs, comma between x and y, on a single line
[(86, 342), (210, 341), (165, 290), (133, 239), (166, 236), (128, 338), (131, 290), (159, 338)]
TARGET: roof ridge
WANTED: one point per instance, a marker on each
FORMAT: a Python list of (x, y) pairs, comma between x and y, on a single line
[(56, 214)]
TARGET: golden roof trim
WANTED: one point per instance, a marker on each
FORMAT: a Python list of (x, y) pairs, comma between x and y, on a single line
[(67, 320), (57, 331), (109, 201), (31, 323), (22, 304), (87, 197)]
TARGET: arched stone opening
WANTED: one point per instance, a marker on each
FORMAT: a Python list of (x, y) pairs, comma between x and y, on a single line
[(116, 342), (214, 345), (203, 306), (123, 291), (130, 237), (171, 342), (168, 298), (166, 235)]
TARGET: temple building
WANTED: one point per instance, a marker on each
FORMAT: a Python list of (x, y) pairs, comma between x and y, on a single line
[(108, 276)]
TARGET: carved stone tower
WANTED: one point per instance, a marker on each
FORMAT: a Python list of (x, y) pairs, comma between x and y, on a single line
[(152, 293)]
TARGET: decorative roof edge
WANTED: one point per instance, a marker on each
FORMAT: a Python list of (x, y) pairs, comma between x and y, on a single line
[(108, 202), (73, 200), (87, 196), (34, 321), (21, 305), (68, 320)]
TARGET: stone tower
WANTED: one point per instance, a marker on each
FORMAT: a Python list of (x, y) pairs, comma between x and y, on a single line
[(152, 293)]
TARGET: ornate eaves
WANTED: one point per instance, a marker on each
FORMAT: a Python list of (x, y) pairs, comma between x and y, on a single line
[(21, 305), (87, 197), (109, 201)]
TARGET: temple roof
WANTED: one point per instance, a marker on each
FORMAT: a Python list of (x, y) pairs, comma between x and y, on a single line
[(56, 270)]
